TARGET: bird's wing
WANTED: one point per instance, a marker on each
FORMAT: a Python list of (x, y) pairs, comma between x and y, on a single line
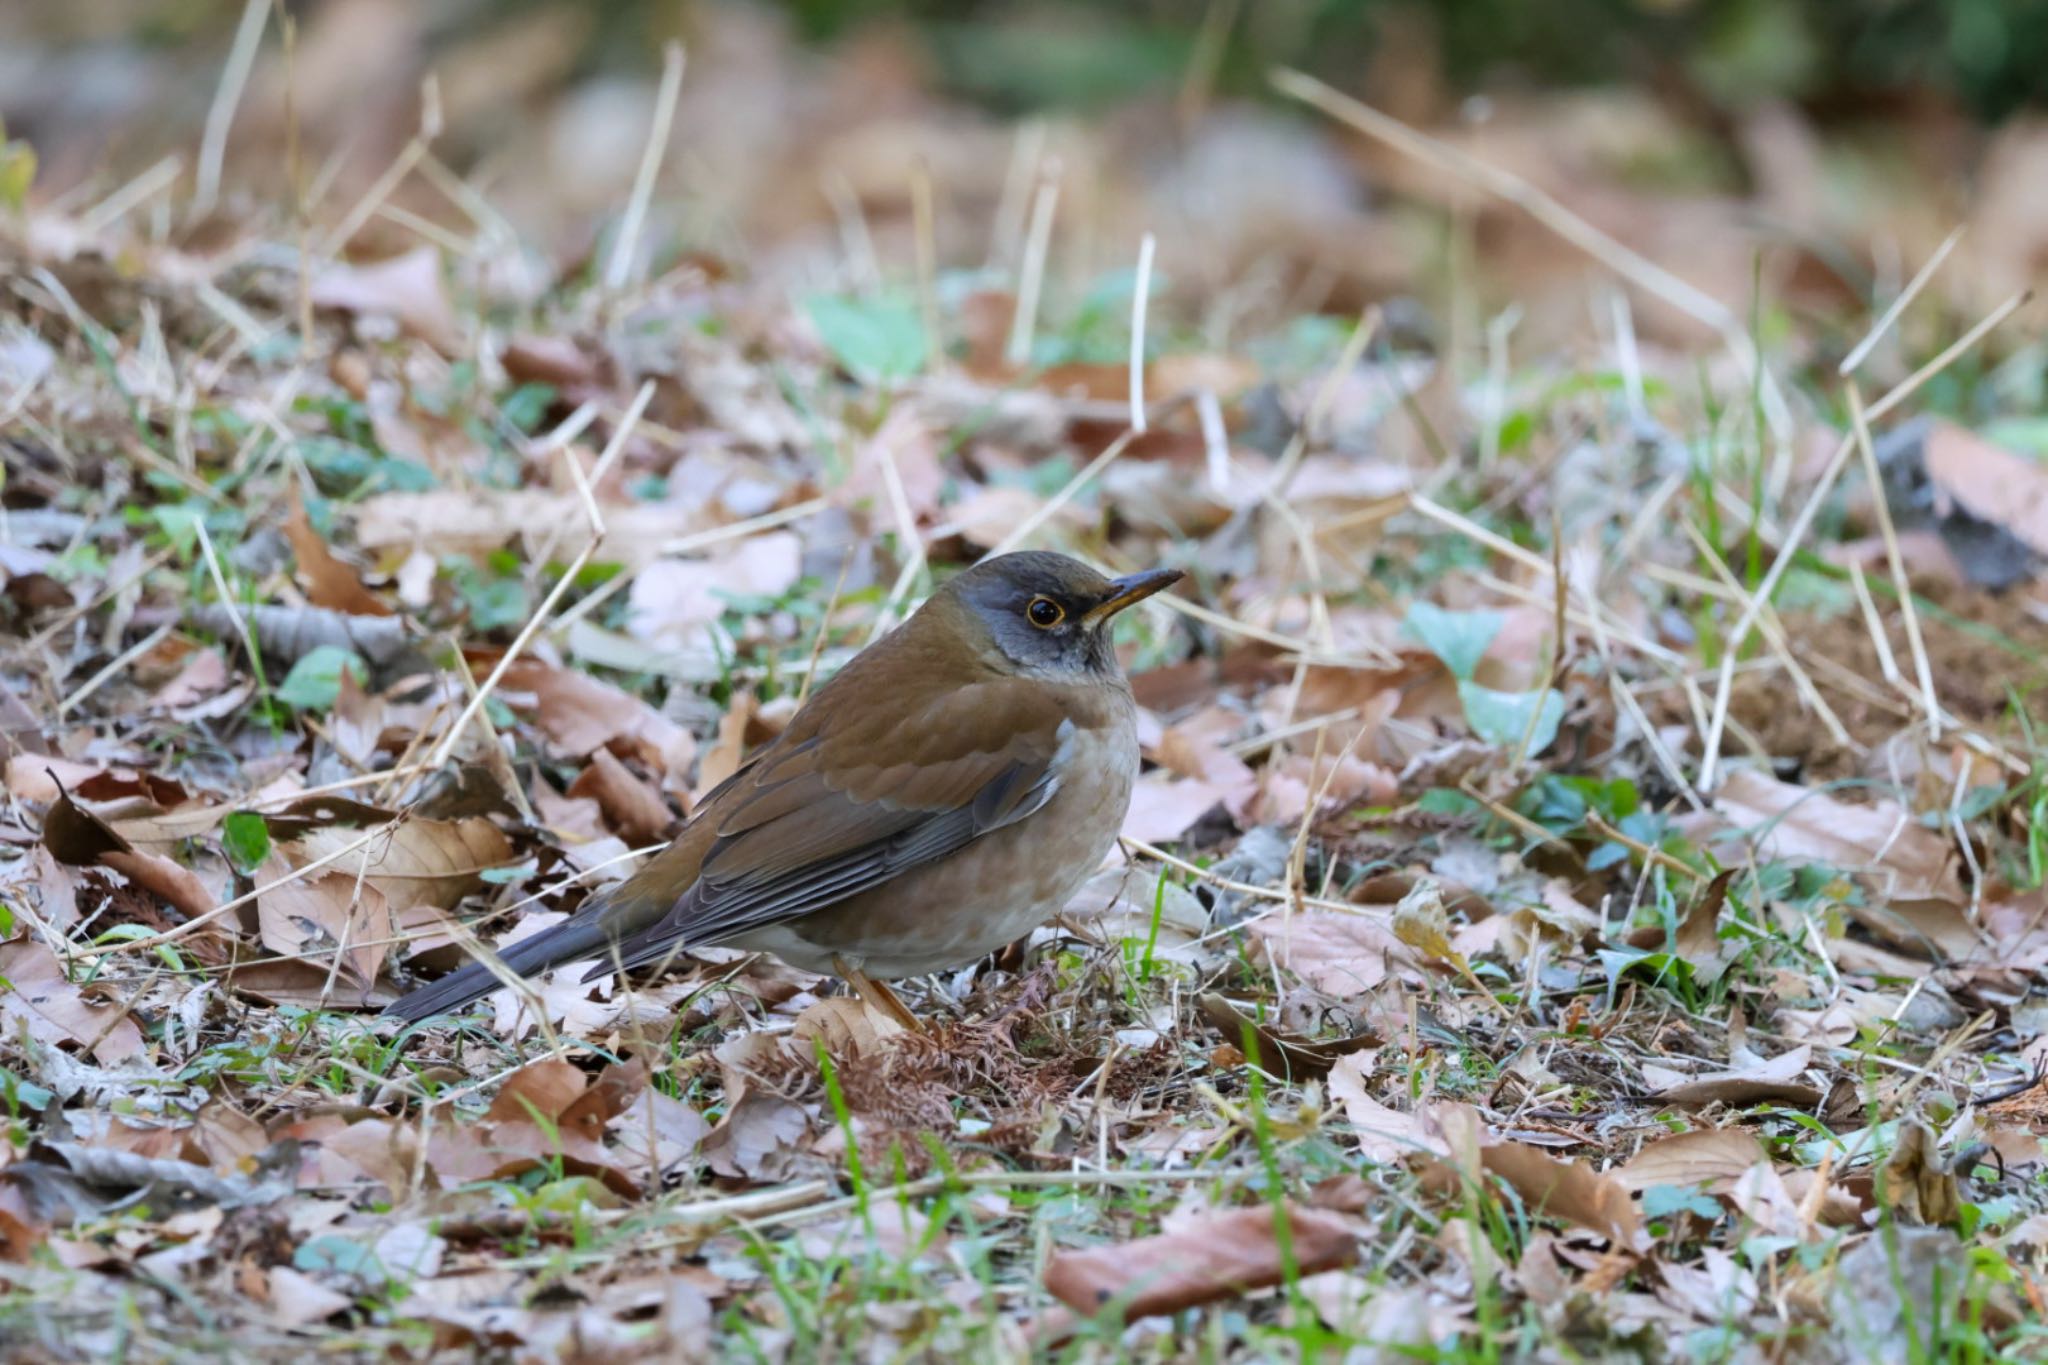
[(821, 817)]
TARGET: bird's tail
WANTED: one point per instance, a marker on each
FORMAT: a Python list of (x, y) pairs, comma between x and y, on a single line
[(583, 936)]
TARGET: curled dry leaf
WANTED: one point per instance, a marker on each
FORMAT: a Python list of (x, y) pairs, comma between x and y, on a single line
[(1698, 939), (846, 1026), (1779, 1080), (757, 1139), (1915, 1183), (53, 1010), (1280, 1054), (635, 809), (75, 836), (330, 583), (1215, 1256)]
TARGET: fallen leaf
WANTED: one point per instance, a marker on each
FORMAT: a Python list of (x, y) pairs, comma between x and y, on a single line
[(1989, 482), (330, 583), (1802, 824), (757, 1138), (1215, 1256), (635, 809), (1385, 1136), (413, 862), (1776, 1080), (1713, 1157), (1285, 1055), (1342, 955), (327, 914), (53, 1010), (1163, 808), (846, 1025), (1570, 1190), (1698, 937), (580, 714)]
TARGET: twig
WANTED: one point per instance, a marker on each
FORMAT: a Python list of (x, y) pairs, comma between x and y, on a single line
[(1138, 300), (1031, 279), (234, 77), (620, 267), (1895, 561), (1855, 358)]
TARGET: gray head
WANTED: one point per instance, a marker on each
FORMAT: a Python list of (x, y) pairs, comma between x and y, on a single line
[(1048, 614)]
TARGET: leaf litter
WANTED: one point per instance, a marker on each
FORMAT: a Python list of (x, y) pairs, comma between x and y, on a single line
[(1434, 992)]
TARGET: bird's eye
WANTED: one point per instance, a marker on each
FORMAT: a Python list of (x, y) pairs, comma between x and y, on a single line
[(1045, 613)]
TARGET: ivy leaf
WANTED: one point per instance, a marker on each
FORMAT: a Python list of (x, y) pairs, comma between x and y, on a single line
[(1459, 638), (1503, 718), (315, 680), (877, 340), (245, 836)]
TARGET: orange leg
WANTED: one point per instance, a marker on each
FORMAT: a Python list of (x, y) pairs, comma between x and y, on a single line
[(877, 996)]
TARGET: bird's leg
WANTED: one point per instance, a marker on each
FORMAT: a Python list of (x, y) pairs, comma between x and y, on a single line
[(876, 996)]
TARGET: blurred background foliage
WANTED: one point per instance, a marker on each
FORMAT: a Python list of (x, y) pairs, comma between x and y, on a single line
[(1989, 57)]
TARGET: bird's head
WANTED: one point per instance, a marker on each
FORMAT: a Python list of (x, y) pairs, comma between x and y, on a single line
[(1046, 615)]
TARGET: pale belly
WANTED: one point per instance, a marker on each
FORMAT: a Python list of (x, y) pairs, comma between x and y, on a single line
[(992, 892)]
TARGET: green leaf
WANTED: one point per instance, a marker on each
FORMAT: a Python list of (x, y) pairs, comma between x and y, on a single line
[(315, 681), (17, 173), (245, 836), (877, 340), (1459, 638), (1504, 717), (1661, 1201)]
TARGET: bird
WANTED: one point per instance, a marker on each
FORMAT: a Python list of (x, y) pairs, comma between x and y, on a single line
[(943, 794)]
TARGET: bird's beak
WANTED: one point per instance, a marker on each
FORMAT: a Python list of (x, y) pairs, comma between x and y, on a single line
[(1128, 589)]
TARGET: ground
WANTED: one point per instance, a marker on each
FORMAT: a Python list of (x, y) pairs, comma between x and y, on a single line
[(1586, 897)]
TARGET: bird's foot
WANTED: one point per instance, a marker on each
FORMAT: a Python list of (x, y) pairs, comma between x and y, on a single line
[(877, 996)]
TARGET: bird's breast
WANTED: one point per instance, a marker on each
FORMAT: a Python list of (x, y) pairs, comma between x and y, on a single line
[(996, 889)]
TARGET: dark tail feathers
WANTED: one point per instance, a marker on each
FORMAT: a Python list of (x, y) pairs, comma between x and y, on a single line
[(571, 939)]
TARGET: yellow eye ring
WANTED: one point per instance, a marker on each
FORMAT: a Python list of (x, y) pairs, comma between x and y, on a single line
[(1045, 613)]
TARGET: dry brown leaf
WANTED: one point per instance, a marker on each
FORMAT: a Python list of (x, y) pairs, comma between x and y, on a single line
[(1281, 1054), (846, 1025), (1385, 1135), (539, 1091), (316, 917), (1163, 808), (1342, 955), (330, 583), (300, 1300), (757, 1139), (1570, 1190), (580, 714), (1779, 1080), (1989, 482), (1713, 1157), (54, 1011), (635, 809), (1215, 1256), (413, 862), (672, 601), (1914, 1182), (1799, 823), (1698, 939)]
